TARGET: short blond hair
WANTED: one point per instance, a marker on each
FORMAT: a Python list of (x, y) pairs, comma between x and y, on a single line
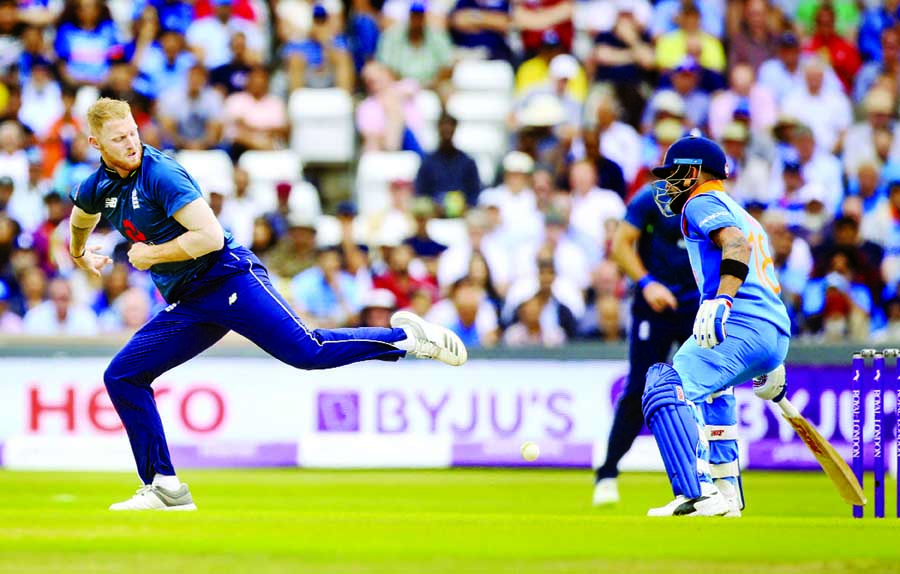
[(106, 109)]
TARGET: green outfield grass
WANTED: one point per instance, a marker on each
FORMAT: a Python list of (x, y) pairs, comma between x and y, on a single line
[(405, 522)]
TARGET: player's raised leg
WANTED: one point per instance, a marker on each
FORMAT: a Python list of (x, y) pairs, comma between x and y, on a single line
[(677, 426), (250, 305), (172, 337)]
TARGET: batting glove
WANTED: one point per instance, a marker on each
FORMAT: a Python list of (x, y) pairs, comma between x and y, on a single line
[(709, 326)]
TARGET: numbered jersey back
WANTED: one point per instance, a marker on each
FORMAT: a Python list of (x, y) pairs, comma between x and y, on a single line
[(710, 209)]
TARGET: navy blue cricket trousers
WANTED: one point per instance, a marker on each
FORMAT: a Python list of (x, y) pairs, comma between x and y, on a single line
[(235, 294), (651, 339)]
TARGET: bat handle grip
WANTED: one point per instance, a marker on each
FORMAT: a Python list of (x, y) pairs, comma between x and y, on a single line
[(787, 408)]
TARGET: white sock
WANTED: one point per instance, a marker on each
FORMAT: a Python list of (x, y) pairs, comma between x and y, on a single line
[(167, 482), (408, 344)]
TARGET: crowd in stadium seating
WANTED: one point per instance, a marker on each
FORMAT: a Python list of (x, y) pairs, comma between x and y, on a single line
[(525, 127)]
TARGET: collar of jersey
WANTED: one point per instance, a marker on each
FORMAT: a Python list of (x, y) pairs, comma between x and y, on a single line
[(113, 174), (708, 187)]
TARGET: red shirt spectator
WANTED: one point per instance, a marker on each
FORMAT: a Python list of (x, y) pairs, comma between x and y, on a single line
[(534, 17), (842, 55)]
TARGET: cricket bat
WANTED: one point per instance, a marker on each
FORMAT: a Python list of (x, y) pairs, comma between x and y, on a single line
[(834, 466)]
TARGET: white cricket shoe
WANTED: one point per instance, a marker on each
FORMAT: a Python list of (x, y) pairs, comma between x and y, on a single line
[(154, 497), (731, 495), (709, 503), (606, 491), (431, 341)]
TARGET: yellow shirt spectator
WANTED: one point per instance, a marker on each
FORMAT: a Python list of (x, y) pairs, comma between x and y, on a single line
[(671, 48), (536, 72)]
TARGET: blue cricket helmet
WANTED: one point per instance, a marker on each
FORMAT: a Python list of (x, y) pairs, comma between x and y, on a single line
[(694, 150)]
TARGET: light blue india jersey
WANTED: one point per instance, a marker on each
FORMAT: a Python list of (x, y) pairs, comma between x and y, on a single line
[(708, 209)]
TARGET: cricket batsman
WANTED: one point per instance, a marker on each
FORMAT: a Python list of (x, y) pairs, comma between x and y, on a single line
[(741, 331), (212, 284), (650, 249)]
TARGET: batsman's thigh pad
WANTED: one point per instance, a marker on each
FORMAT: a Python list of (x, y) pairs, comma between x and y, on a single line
[(672, 421)]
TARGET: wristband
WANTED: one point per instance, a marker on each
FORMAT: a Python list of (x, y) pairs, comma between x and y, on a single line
[(728, 299), (78, 256), (645, 280), (734, 268)]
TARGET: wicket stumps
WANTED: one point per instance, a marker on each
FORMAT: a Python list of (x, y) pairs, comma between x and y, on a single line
[(858, 398)]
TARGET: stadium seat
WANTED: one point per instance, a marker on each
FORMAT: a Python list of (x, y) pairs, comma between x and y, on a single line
[(322, 125), (483, 76), (485, 143), (429, 105), (211, 168), (275, 166), (480, 107), (376, 171)]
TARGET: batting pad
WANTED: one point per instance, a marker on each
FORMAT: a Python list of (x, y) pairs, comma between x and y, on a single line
[(672, 421)]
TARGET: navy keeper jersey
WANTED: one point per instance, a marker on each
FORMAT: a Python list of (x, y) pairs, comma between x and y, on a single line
[(661, 246), (141, 206)]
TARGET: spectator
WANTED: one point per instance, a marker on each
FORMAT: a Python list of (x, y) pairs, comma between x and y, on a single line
[(665, 104), (264, 238), (84, 36), (520, 220), (827, 112), (481, 27), (128, 313), (624, 56), (231, 77), (424, 246), (240, 209), (33, 287), (59, 316), (754, 42), (209, 36), (60, 135), (33, 48), (255, 119), (571, 250), (672, 47), (592, 207), (377, 307), (528, 331), (562, 304), (26, 206), (781, 73), (865, 187), (325, 295), (296, 251), (78, 164), (888, 67), (535, 72), (842, 54), (877, 18), (844, 12), (537, 17), (121, 84), (748, 172), (792, 262), (171, 14), (415, 50), (42, 102), (618, 141), (563, 69), (609, 174), (743, 93), (13, 159), (10, 323), (860, 141), (190, 115), (603, 318), (165, 64), (400, 277), (845, 234), (483, 240), (666, 15), (685, 82), (45, 239), (388, 118), (467, 312), (448, 170), (114, 283), (835, 304), (322, 60), (7, 189), (819, 165)]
